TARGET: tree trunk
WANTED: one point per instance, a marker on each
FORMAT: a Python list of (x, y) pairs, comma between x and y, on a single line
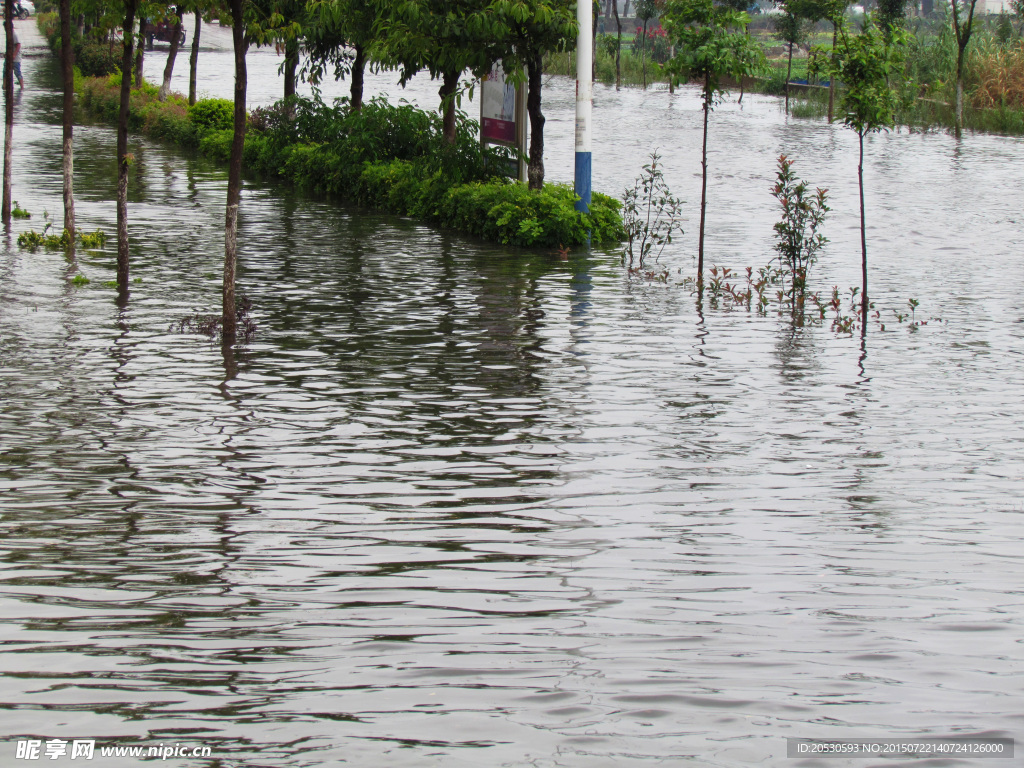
[(122, 150), (863, 241), (746, 31), (165, 87), (672, 81), (593, 46), (67, 62), (358, 70), (291, 64), (618, 45), (959, 116), (962, 32), (5, 206), (140, 52), (535, 170), (193, 60), (832, 79), (643, 53), (449, 84), (789, 74), (241, 45), (708, 95)]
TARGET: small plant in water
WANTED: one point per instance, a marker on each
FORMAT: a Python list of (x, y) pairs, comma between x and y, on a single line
[(79, 280), (20, 213), (95, 239), (33, 239), (797, 238), (211, 325), (651, 216)]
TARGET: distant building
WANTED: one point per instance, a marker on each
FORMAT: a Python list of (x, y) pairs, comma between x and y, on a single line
[(993, 6)]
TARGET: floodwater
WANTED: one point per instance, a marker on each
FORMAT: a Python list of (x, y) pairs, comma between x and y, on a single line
[(458, 505)]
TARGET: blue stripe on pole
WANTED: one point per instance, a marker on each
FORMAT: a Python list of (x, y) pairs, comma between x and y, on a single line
[(583, 186)]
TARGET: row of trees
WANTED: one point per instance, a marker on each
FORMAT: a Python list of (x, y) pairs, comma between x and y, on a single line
[(446, 39)]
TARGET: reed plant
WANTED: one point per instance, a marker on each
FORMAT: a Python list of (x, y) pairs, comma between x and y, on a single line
[(996, 75)]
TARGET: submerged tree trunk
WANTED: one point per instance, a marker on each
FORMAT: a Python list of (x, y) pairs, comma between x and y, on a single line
[(708, 95), (140, 52), (193, 60), (863, 240), (963, 37), (958, 118), (832, 79), (241, 45), (5, 206), (618, 45), (291, 64), (643, 53), (67, 65), (165, 87), (535, 169), (789, 74), (122, 150), (449, 84), (358, 70)]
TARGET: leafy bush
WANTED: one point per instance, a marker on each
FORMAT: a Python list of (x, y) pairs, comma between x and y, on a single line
[(796, 233), (217, 144), (212, 115), (392, 157), (651, 215)]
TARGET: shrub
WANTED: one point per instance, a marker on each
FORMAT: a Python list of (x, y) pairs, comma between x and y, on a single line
[(652, 214), (796, 233), (217, 144), (212, 115), (386, 156)]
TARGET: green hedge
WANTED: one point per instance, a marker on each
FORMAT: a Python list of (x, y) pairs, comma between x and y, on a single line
[(385, 156)]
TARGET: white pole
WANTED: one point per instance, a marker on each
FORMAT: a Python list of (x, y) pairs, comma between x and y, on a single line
[(584, 101)]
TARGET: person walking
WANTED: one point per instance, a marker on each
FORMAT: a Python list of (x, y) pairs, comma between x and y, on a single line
[(17, 60)]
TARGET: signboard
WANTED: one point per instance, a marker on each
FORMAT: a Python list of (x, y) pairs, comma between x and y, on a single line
[(503, 113)]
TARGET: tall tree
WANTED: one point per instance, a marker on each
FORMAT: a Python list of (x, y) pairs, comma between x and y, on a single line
[(339, 34), (140, 48), (712, 44), (193, 58), (127, 40), (523, 32), (5, 206), (172, 54), (67, 61), (790, 28), (441, 37), (962, 28), (866, 64), (645, 11), (618, 45), (240, 43), (259, 22), (891, 13)]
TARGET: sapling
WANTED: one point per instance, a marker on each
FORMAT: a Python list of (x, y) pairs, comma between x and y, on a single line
[(711, 43), (797, 238), (650, 215), (867, 65)]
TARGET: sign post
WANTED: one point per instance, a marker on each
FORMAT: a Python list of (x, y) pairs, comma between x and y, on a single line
[(503, 115), (584, 103)]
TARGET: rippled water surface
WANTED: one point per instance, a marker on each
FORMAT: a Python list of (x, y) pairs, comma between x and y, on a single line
[(464, 506)]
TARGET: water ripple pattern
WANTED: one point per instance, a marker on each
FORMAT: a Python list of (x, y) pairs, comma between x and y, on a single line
[(461, 506)]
